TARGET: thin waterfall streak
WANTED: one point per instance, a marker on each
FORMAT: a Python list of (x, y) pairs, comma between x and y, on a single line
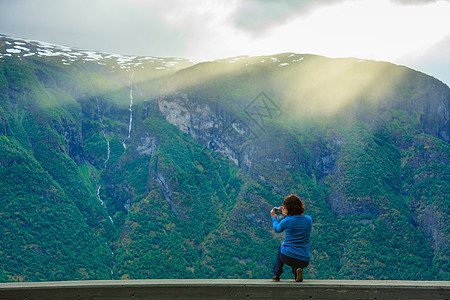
[(113, 265), (103, 203), (109, 150), (108, 153), (131, 107), (99, 186), (98, 194)]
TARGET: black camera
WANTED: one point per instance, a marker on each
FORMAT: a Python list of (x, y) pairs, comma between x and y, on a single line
[(277, 210)]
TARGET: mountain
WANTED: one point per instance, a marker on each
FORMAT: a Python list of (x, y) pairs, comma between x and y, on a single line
[(126, 167)]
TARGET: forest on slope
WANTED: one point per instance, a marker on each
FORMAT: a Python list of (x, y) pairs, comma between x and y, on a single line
[(116, 167)]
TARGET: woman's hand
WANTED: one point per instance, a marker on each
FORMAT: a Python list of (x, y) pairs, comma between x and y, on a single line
[(272, 213)]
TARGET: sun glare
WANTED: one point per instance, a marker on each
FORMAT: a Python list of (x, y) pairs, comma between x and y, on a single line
[(370, 29)]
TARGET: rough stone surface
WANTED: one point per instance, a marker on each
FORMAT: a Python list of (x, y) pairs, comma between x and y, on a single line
[(227, 289)]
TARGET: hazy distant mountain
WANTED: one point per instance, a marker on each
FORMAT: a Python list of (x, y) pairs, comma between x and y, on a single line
[(125, 167)]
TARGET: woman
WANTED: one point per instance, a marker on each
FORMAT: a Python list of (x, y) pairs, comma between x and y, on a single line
[(294, 251)]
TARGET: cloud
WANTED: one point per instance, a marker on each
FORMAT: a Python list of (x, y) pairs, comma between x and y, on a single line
[(435, 60), (257, 16), (211, 29), (415, 2), (104, 25), (204, 25)]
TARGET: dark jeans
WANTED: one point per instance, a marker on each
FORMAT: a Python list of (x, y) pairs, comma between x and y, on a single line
[(290, 261)]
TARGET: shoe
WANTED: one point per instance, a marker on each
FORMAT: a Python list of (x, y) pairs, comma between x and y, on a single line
[(276, 278), (299, 275)]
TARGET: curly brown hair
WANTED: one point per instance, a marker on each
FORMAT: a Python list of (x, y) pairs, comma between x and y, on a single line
[(294, 205)]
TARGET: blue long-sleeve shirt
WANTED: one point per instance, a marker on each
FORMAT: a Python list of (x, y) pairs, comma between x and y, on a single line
[(298, 232)]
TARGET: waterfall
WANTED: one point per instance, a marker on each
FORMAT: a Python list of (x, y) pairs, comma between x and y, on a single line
[(104, 134), (131, 107), (103, 203), (109, 150), (113, 266), (108, 153), (98, 194), (99, 186)]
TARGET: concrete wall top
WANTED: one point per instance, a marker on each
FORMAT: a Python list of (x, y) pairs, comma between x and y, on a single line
[(226, 289)]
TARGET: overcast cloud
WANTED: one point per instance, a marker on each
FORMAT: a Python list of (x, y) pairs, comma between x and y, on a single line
[(259, 15), (411, 32)]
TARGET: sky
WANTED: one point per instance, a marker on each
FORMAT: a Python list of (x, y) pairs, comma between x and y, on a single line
[(415, 33)]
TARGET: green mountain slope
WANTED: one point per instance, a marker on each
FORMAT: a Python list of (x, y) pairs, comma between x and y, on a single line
[(140, 167), (44, 234)]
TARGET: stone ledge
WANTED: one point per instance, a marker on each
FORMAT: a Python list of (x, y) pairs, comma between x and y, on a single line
[(226, 289)]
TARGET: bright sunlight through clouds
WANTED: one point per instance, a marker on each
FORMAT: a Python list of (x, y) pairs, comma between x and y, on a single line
[(377, 29), (371, 29), (415, 33)]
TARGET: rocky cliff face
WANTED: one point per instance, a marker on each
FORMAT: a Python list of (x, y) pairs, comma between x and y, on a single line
[(210, 125)]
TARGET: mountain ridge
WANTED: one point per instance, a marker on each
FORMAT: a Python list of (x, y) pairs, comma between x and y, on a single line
[(182, 167)]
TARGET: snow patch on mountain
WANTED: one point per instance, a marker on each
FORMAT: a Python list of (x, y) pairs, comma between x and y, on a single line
[(13, 50), (235, 59), (23, 48)]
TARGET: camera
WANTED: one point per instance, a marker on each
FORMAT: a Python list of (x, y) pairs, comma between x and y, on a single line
[(277, 210)]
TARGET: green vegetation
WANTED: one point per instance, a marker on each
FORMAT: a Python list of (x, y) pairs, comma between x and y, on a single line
[(44, 235), (79, 199)]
